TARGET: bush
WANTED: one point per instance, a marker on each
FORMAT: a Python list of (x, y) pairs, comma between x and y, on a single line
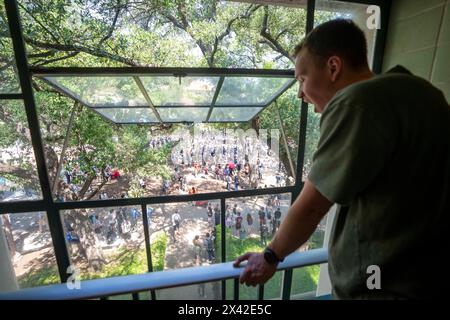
[(158, 248)]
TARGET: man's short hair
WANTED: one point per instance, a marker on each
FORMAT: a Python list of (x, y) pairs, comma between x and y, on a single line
[(340, 37)]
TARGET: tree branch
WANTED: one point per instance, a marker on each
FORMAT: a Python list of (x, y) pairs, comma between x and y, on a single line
[(113, 26), (72, 47), (268, 39), (42, 54), (250, 10), (44, 62), (7, 65), (182, 12), (281, 33), (184, 25), (94, 192)]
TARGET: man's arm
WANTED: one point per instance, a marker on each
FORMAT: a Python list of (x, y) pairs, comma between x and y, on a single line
[(302, 219)]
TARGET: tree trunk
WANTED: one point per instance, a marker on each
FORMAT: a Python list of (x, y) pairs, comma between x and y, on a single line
[(88, 247), (9, 234), (93, 193), (86, 186), (256, 124), (285, 160), (52, 162)]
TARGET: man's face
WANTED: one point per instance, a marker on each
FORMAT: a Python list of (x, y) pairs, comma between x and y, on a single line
[(315, 83)]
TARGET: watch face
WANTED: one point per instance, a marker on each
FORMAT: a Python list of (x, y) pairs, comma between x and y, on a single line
[(269, 257)]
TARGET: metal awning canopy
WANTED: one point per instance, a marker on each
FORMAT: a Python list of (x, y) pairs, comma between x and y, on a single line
[(131, 95)]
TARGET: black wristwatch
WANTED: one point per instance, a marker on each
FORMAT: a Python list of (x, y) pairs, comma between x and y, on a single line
[(271, 257)]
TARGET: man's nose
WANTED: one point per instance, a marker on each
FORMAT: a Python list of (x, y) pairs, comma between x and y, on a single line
[(301, 95)]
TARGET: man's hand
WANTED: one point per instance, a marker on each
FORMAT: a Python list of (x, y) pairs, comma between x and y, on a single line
[(257, 271)]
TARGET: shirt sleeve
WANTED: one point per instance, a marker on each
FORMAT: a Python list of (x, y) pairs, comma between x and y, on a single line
[(352, 151)]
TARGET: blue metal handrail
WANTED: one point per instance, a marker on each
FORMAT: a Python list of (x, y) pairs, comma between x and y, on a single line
[(155, 280)]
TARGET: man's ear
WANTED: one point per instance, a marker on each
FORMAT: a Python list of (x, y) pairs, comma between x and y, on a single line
[(334, 65)]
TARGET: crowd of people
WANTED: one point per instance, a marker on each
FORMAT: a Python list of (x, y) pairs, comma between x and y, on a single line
[(223, 157), (72, 176), (269, 220), (205, 247), (159, 141), (115, 224)]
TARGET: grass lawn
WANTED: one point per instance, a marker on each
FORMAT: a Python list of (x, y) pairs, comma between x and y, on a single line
[(124, 262)]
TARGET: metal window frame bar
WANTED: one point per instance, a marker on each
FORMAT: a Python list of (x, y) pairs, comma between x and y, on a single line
[(179, 106), (261, 292), (157, 71), (287, 284), (303, 114), (236, 289), (66, 91), (135, 295), (115, 123), (275, 97), (223, 246), (147, 97), (53, 216), (20, 206), (74, 96), (181, 122), (311, 4), (148, 247), (216, 95), (11, 96), (381, 35)]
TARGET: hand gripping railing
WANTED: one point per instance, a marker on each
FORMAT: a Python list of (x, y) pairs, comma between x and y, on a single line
[(155, 280)]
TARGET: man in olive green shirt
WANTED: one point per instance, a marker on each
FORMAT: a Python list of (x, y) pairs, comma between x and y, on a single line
[(384, 157)]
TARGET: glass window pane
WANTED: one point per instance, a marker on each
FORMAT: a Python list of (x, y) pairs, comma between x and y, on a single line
[(137, 115), (121, 297), (249, 90), (328, 10), (197, 218), (245, 292), (312, 140), (203, 291), (272, 288), (252, 221), (8, 70), (102, 91), (175, 91), (187, 245), (30, 248), (288, 106), (233, 114), (173, 114), (105, 242), (18, 173), (304, 282)]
